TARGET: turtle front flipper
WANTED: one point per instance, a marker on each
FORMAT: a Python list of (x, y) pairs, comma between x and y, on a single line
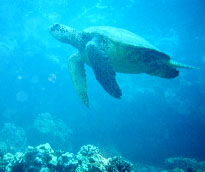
[(78, 76), (103, 69)]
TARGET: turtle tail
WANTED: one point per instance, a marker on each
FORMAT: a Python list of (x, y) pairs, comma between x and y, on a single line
[(181, 65)]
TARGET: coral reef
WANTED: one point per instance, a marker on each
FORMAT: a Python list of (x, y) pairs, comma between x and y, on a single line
[(90, 159), (141, 167), (177, 164), (34, 159), (44, 159), (118, 164), (52, 130), (180, 164), (44, 123), (12, 138), (67, 162), (3, 148)]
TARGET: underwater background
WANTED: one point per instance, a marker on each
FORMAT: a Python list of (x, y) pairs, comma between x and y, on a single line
[(155, 118)]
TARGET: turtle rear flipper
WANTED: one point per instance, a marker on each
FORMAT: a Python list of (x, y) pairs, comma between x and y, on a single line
[(103, 69), (181, 65), (78, 76)]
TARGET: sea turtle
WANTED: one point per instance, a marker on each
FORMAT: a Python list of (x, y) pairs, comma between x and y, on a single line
[(109, 50)]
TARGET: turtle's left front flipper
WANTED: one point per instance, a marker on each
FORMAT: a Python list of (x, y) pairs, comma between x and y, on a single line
[(78, 76), (103, 69)]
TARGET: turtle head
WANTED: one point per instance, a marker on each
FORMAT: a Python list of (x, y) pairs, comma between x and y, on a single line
[(55, 29), (66, 34), (62, 33)]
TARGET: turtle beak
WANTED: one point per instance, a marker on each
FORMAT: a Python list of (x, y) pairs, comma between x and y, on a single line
[(50, 29)]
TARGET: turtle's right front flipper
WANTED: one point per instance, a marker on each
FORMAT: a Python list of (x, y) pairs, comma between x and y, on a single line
[(78, 76)]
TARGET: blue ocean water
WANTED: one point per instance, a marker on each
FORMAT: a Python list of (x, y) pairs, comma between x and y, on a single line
[(155, 118)]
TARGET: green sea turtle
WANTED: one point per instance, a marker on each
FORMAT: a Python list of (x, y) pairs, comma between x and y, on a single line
[(109, 50)]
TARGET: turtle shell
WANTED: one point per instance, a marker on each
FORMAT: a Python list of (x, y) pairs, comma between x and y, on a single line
[(121, 36)]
